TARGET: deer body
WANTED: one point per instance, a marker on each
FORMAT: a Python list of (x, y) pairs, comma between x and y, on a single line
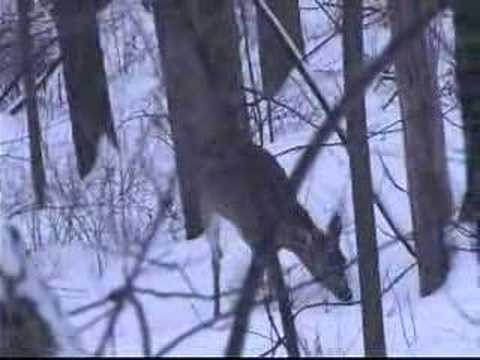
[(248, 187)]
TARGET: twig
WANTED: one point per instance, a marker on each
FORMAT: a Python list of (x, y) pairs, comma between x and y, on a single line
[(271, 320), (389, 175), (210, 322), (392, 225), (274, 348), (358, 302), (144, 327), (363, 80)]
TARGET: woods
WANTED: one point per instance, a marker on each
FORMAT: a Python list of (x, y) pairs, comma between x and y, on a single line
[(356, 217)]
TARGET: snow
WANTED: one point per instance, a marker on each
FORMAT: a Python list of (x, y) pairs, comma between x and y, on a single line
[(446, 323), (13, 266)]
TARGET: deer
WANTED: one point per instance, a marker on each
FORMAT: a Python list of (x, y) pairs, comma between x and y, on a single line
[(247, 186)]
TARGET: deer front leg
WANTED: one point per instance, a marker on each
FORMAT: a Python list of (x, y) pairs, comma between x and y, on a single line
[(279, 289)]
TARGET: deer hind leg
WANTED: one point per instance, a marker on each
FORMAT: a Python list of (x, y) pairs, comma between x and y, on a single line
[(274, 280), (213, 238), (272, 277)]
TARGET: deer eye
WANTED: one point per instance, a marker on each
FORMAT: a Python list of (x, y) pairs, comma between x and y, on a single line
[(304, 237)]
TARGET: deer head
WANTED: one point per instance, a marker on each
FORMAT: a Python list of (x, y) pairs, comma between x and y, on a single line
[(319, 251)]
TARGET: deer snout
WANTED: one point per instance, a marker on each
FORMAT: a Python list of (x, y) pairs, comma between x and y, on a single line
[(345, 294), (339, 287)]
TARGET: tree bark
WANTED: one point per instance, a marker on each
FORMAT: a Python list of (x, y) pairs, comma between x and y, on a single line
[(362, 190), (275, 61), (427, 174), (85, 79), (215, 23), (467, 53), (200, 62), (34, 131)]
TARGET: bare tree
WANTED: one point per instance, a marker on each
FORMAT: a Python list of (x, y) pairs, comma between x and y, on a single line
[(467, 32), (85, 78), (34, 131), (274, 60), (211, 25), (428, 185), (362, 189), (362, 81), (182, 103), (275, 63), (214, 22)]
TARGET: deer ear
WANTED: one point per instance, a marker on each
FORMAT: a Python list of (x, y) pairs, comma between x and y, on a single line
[(335, 226)]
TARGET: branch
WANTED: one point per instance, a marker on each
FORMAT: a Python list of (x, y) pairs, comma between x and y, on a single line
[(351, 94)]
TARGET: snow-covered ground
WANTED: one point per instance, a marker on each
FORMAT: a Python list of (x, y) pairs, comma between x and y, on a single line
[(446, 323)]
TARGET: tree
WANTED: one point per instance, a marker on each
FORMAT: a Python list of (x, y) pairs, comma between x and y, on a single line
[(215, 24), (467, 54), (34, 131), (85, 78), (275, 62), (427, 175), (362, 189), (195, 83)]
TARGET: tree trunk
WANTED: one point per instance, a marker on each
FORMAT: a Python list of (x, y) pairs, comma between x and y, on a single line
[(200, 61), (357, 146), (275, 61), (173, 36), (427, 175), (467, 53), (34, 131), (215, 23), (85, 79)]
